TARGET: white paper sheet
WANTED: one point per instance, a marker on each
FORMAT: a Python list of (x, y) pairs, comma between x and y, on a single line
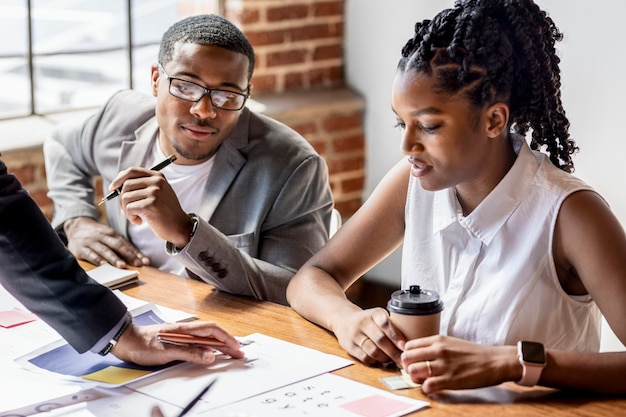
[(321, 396), (271, 363)]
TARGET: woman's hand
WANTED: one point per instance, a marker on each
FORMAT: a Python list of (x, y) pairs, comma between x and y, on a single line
[(369, 336), (441, 362), (138, 344)]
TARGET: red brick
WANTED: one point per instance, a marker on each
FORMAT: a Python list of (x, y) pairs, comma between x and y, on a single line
[(276, 14), (294, 81), (345, 164), (330, 76), (352, 185), (266, 37), (342, 122), (316, 31), (294, 56), (347, 207), (328, 8), (350, 143), (263, 84), (320, 148), (328, 52)]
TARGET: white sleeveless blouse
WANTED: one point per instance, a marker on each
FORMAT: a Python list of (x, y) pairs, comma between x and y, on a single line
[(494, 268)]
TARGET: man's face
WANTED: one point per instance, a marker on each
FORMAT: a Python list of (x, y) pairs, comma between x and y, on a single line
[(195, 130)]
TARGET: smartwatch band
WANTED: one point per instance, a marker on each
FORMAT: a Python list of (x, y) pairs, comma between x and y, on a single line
[(127, 322), (532, 357)]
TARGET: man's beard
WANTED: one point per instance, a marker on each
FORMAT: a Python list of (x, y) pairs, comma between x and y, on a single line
[(192, 156)]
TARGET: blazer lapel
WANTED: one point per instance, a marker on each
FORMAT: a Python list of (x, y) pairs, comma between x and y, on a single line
[(133, 153), (228, 163)]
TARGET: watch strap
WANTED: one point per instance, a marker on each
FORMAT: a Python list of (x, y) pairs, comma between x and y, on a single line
[(174, 250), (127, 322)]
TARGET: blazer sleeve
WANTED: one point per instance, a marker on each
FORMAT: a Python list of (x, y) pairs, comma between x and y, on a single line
[(79, 150), (261, 267), (45, 277)]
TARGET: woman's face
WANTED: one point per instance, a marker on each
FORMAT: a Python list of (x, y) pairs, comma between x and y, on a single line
[(445, 138)]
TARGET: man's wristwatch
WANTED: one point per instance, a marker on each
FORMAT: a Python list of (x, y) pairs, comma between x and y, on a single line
[(532, 357), (127, 322), (170, 247)]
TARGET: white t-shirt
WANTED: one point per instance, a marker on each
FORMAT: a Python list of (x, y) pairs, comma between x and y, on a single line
[(494, 268), (188, 181)]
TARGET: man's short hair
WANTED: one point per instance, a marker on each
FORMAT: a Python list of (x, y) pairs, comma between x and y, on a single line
[(206, 29)]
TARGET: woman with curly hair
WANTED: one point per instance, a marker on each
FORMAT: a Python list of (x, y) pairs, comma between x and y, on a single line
[(489, 214)]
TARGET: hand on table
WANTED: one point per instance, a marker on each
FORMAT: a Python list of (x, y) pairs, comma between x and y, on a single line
[(98, 243), (442, 362), (369, 336), (139, 344)]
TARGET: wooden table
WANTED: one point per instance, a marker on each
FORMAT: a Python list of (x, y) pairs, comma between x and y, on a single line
[(242, 316)]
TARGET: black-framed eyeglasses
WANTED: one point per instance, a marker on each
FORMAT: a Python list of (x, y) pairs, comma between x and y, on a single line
[(222, 99)]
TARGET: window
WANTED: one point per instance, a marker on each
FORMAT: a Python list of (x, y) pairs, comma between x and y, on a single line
[(72, 54)]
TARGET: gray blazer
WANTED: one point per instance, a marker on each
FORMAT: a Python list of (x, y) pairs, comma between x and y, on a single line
[(266, 208)]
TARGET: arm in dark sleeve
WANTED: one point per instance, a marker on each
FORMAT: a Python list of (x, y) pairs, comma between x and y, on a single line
[(45, 277)]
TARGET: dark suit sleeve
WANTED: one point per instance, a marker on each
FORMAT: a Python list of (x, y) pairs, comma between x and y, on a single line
[(45, 277)]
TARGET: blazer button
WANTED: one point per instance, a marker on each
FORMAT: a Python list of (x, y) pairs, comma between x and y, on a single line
[(209, 261), (216, 267), (203, 255), (222, 273)]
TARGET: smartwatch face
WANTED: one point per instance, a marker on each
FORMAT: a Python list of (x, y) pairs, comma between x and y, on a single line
[(533, 352)]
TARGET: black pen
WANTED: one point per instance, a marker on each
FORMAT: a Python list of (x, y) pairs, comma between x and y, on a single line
[(157, 167), (195, 400)]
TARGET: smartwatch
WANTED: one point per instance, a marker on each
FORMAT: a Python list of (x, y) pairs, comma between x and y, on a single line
[(532, 357)]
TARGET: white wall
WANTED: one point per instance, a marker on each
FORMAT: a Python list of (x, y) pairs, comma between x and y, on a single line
[(375, 35), (594, 90)]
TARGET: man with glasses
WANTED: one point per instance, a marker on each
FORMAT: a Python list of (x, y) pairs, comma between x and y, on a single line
[(247, 200)]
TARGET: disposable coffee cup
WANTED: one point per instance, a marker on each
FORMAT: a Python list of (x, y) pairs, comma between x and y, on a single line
[(416, 312)]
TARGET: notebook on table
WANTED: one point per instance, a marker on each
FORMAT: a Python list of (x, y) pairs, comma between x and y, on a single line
[(113, 277)]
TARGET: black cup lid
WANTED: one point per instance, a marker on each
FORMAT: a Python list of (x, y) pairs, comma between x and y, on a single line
[(415, 301)]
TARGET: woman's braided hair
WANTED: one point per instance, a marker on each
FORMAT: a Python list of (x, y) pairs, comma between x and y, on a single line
[(498, 50)]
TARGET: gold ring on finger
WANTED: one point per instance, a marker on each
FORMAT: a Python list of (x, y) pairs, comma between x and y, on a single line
[(362, 342)]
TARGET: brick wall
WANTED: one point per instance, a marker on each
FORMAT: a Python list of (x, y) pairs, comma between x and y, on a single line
[(298, 80), (299, 58), (298, 44), (28, 167)]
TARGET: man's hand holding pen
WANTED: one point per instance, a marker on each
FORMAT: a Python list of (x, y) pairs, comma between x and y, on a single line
[(157, 167), (146, 195)]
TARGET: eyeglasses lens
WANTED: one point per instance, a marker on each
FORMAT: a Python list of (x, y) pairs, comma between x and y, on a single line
[(228, 100)]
